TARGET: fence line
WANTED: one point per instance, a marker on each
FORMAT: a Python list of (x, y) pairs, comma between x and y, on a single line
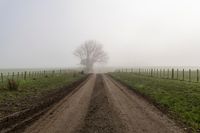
[(32, 74), (175, 74)]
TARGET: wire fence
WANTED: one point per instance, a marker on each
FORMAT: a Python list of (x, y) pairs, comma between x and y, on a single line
[(175, 74), (27, 75)]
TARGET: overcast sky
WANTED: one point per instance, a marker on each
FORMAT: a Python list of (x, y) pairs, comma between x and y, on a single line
[(44, 33)]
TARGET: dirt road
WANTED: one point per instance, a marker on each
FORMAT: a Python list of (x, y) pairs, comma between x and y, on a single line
[(138, 115), (103, 105), (66, 116)]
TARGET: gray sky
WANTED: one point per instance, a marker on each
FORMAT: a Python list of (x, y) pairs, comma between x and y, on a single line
[(44, 33)]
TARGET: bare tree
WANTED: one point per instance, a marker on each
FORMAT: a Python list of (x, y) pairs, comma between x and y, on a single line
[(91, 52)]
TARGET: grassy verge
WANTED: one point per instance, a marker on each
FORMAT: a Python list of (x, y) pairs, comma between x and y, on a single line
[(181, 99), (30, 91)]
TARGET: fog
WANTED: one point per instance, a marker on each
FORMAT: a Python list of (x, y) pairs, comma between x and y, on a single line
[(44, 33)]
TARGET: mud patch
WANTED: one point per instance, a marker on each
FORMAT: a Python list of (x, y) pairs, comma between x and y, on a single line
[(100, 117)]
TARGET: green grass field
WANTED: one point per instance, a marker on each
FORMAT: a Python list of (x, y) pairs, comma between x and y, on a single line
[(180, 98), (32, 89)]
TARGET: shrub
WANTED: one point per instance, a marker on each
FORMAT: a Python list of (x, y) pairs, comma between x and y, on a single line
[(82, 72), (12, 85)]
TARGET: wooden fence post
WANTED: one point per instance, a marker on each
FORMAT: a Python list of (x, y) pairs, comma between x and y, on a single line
[(189, 75), (17, 76), (177, 74), (197, 75), (164, 73), (2, 77), (25, 75), (168, 73), (13, 75), (53, 72), (172, 73)]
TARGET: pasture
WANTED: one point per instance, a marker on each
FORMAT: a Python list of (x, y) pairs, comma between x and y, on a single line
[(181, 99)]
